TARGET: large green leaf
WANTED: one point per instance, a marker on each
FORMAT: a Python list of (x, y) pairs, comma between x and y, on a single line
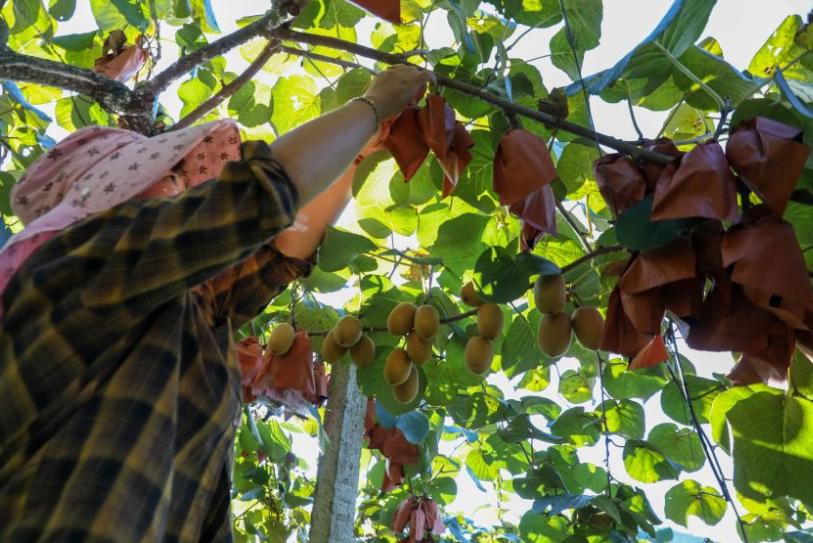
[(690, 499), (296, 101), (625, 418), (681, 445), (458, 241), (647, 463), (773, 447), (676, 32), (584, 20), (622, 383), (701, 390), (519, 350), (340, 248), (637, 232)]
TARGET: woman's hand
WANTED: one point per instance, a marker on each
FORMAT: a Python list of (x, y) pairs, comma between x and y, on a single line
[(394, 89)]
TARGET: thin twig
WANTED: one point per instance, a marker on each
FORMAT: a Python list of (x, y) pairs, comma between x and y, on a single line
[(705, 442), (723, 117), (157, 35), (228, 90), (324, 58), (591, 255), (634, 120), (605, 426)]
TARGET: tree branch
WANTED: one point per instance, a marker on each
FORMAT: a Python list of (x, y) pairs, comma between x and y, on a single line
[(473, 90), (112, 95), (268, 25), (228, 90), (323, 58), (590, 256)]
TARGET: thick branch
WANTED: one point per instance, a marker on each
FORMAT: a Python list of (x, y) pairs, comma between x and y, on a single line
[(265, 26), (112, 95), (228, 90), (473, 90)]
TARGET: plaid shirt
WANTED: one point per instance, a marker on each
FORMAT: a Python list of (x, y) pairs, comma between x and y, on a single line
[(119, 387)]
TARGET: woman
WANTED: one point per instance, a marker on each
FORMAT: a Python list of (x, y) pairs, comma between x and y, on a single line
[(120, 390)]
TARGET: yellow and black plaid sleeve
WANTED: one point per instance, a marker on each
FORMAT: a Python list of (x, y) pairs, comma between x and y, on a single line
[(242, 292)]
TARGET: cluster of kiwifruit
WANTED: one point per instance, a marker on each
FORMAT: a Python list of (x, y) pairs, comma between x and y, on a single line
[(348, 334), (556, 327), (420, 326), (480, 348)]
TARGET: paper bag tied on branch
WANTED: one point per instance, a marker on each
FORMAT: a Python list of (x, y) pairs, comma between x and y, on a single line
[(291, 373), (538, 214), (651, 170), (770, 158), (120, 60), (769, 265), (522, 165), (767, 365), (620, 181), (700, 184), (422, 517)]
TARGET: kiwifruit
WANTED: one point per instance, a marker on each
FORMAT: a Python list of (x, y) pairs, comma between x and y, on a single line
[(330, 351), (470, 296), (588, 324), (282, 337), (347, 331), (478, 354), (554, 334), (408, 390), (427, 321), (550, 294), (401, 319), (418, 349), (397, 367), (363, 352), (489, 320)]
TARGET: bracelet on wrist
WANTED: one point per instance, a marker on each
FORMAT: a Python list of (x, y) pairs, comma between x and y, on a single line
[(372, 106)]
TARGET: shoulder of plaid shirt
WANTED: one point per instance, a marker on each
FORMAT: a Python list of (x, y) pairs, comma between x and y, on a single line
[(118, 384)]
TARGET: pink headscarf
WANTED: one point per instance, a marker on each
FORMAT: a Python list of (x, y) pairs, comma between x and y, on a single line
[(97, 168)]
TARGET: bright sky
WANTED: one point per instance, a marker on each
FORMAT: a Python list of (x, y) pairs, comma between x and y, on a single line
[(741, 27)]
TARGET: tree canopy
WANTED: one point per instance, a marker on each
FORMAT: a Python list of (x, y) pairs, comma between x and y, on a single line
[(697, 235)]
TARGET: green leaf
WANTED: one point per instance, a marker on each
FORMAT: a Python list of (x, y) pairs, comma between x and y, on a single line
[(575, 165), (577, 427), (681, 445), (193, 92), (722, 403), (352, 84), (646, 463), (340, 248), (637, 232), (575, 387), (458, 242), (296, 101), (688, 498), (625, 418), (414, 425), (118, 14), (801, 375), (76, 42), (701, 390), (62, 10), (519, 351), (503, 278), (773, 447), (584, 18), (622, 383), (520, 429)]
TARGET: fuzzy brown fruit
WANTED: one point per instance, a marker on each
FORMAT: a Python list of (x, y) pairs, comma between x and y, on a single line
[(408, 390), (282, 337), (478, 354), (588, 324), (330, 351), (401, 319), (550, 294), (427, 321), (347, 331), (489, 320), (397, 367), (363, 352), (554, 334), (469, 295), (418, 349)]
